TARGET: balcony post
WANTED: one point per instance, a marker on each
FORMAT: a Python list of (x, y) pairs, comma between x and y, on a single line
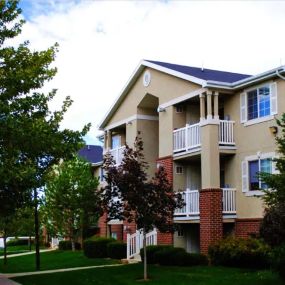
[(209, 105), (202, 107), (216, 105), (109, 140)]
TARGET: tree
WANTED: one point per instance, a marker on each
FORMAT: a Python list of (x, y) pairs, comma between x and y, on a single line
[(31, 140), (130, 195), (71, 196), (273, 223)]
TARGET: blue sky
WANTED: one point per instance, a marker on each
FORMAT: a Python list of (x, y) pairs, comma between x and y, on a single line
[(102, 42)]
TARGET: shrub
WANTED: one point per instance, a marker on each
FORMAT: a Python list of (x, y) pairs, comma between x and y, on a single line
[(150, 251), (16, 242), (179, 257), (278, 260), (66, 245), (96, 247), (237, 252), (116, 250)]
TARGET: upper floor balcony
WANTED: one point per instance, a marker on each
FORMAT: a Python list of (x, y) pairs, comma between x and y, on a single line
[(191, 209), (117, 154), (189, 137)]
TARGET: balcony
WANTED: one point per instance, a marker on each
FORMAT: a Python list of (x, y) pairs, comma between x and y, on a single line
[(191, 209), (189, 138), (117, 154)]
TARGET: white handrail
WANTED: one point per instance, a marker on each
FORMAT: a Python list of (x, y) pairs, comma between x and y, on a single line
[(229, 201), (226, 132), (118, 154), (135, 242), (191, 208)]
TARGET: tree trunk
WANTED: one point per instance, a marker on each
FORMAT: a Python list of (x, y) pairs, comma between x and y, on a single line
[(5, 247), (37, 237), (145, 256)]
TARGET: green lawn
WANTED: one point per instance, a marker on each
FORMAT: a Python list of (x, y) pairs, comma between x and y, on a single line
[(16, 249), (132, 274), (51, 260)]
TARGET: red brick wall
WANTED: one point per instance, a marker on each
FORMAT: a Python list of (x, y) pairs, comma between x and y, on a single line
[(129, 228), (102, 225), (164, 238), (211, 219), (118, 229), (245, 228), (167, 163)]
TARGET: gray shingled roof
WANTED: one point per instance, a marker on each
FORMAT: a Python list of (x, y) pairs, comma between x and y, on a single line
[(204, 74), (92, 153)]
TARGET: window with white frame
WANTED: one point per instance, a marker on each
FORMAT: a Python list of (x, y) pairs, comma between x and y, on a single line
[(252, 166), (179, 169), (259, 103)]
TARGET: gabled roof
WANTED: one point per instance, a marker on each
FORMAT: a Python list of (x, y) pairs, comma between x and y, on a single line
[(203, 73), (92, 153), (207, 78)]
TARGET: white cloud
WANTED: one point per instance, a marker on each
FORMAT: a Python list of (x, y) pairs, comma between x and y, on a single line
[(101, 43)]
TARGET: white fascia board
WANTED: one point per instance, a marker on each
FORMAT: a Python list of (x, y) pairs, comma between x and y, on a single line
[(130, 119), (183, 98), (173, 72), (97, 163)]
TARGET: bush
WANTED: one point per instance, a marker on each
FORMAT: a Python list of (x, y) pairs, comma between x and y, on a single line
[(66, 245), (96, 247), (179, 257), (16, 242), (278, 260), (237, 252), (272, 228), (150, 251), (116, 250)]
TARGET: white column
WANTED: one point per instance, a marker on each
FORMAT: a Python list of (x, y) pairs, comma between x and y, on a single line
[(209, 105), (202, 107), (216, 105)]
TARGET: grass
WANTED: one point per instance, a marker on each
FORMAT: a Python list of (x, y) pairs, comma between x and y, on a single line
[(16, 249), (132, 274), (51, 260)]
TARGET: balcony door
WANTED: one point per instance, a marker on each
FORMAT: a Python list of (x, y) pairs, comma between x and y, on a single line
[(193, 177), (116, 141)]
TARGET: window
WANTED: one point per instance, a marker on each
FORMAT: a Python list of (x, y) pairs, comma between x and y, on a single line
[(179, 170), (116, 141), (259, 104), (114, 235), (251, 166)]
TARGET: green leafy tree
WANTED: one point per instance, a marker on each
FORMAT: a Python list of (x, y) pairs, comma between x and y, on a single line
[(273, 224), (130, 195), (70, 197), (31, 140)]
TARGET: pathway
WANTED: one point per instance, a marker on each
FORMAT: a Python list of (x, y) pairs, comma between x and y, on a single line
[(25, 253)]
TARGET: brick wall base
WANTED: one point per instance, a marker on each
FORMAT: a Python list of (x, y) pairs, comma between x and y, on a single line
[(129, 228), (211, 219), (245, 228), (102, 224)]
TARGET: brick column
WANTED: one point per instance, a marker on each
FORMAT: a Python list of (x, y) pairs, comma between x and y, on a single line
[(102, 224), (211, 219), (167, 163)]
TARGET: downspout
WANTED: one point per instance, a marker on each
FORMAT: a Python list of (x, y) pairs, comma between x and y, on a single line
[(279, 75)]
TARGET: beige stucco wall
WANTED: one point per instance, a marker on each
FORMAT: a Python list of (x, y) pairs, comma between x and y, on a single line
[(163, 86), (249, 140)]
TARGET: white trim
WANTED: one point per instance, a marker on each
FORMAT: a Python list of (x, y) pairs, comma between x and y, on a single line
[(252, 193), (183, 98), (97, 163), (130, 119), (258, 120)]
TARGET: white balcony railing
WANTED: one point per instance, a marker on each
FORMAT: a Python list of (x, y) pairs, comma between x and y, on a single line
[(229, 201), (118, 154), (186, 138), (189, 137), (191, 199), (226, 132)]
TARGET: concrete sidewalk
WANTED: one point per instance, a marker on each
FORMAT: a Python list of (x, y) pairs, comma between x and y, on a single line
[(26, 253), (6, 281), (11, 275)]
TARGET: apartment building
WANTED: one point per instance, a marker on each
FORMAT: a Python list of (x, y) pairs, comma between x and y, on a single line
[(212, 131)]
